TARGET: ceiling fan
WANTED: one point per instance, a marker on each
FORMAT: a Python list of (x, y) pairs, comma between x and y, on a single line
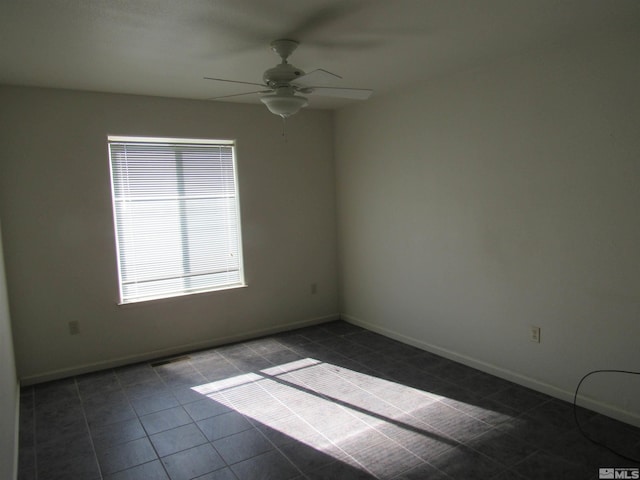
[(284, 84)]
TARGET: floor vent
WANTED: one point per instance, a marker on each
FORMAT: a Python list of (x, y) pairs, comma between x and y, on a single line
[(166, 361)]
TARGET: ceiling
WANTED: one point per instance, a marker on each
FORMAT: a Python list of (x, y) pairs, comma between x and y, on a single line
[(166, 47)]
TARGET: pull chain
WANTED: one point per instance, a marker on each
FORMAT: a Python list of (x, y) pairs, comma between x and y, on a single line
[(284, 129)]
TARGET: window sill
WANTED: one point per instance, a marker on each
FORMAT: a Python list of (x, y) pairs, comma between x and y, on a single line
[(174, 298)]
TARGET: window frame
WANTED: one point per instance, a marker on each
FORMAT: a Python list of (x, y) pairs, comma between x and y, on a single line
[(174, 144)]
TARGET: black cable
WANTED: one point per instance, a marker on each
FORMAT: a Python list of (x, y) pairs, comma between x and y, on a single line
[(575, 413)]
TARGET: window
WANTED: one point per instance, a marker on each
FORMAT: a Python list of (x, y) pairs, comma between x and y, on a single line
[(177, 216)]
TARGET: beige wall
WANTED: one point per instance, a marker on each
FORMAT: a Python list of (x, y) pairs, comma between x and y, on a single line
[(55, 202), (475, 206), (8, 386)]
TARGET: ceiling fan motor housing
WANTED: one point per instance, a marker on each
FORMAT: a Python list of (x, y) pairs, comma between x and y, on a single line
[(281, 74)]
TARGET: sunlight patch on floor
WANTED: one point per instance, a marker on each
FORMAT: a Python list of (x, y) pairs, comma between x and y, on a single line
[(349, 415)]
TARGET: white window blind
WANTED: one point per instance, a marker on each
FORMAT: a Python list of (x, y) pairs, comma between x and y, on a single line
[(177, 219)]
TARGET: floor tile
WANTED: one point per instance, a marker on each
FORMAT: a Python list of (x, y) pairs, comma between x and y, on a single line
[(180, 373), (618, 436), (292, 429), (251, 363), (388, 460), (147, 471), (56, 391), (186, 394), (177, 439), (27, 457), (452, 422), (292, 339), (72, 458), (105, 436), (315, 334), (501, 447), (265, 345), (99, 383), (112, 397), (217, 369), (242, 446), (340, 471), (331, 401), (222, 474), (192, 463), (343, 345), (509, 475), (485, 409), (28, 473), (63, 403), (146, 388), (465, 463), (55, 423), (426, 443), (109, 413), (578, 449), (125, 455), (423, 472), (559, 414), (307, 458), (542, 466), (400, 351), (519, 398), (483, 384), (281, 357), (224, 425), (452, 372), (165, 420), (154, 403), (533, 430), (135, 374), (205, 408), (268, 466)]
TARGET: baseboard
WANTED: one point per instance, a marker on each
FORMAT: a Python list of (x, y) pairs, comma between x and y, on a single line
[(515, 377), (166, 352)]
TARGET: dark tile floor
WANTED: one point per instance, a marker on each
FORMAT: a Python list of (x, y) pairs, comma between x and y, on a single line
[(326, 402)]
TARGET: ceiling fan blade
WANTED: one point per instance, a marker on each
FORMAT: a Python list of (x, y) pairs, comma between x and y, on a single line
[(346, 44), (316, 77), (353, 93), (323, 17), (239, 94), (236, 81)]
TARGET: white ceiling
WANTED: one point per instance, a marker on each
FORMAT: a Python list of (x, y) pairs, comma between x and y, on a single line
[(166, 47)]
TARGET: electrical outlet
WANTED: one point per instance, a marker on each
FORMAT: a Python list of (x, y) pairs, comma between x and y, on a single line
[(74, 327), (534, 334), (314, 288)]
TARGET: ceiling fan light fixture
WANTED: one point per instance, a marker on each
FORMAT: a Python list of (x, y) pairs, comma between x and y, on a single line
[(286, 80), (284, 105)]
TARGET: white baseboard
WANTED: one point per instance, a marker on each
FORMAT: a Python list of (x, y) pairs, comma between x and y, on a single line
[(515, 377), (166, 352)]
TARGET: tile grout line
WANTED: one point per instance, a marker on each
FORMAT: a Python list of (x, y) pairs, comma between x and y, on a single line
[(329, 399), (261, 433), (276, 447), (193, 421), (347, 410), (327, 388), (147, 436), (86, 422), (326, 398)]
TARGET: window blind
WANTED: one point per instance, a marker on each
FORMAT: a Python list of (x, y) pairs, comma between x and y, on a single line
[(177, 219)]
